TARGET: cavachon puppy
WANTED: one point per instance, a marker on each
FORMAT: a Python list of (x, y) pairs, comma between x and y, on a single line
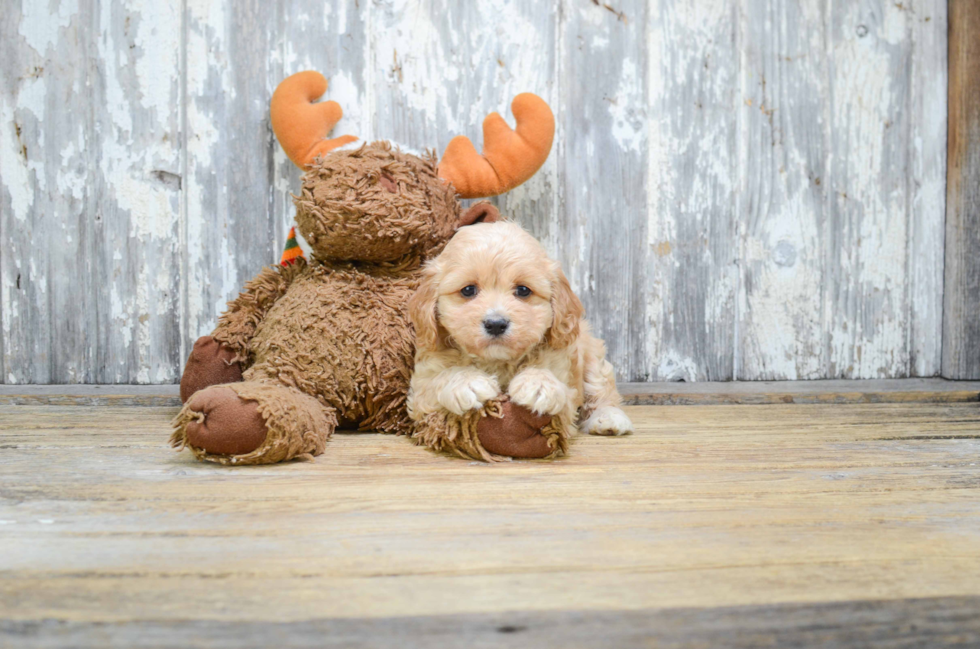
[(497, 324)]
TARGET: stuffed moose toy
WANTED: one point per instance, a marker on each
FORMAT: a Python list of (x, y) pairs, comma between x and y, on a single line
[(324, 340)]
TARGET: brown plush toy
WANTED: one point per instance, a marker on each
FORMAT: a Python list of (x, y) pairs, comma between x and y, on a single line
[(325, 341)]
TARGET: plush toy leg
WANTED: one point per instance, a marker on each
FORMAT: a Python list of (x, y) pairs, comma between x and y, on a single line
[(210, 363), (501, 430), (253, 423), (517, 433)]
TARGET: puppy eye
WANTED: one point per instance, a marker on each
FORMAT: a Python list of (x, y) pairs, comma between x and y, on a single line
[(468, 291), (522, 291)]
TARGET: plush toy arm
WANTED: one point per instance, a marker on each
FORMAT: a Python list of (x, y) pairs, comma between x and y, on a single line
[(237, 325)]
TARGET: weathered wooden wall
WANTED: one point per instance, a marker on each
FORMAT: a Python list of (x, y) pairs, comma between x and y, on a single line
[(961, 309), (750, 189)]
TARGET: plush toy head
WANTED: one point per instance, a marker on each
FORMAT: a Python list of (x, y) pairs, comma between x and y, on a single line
[(375, 203)]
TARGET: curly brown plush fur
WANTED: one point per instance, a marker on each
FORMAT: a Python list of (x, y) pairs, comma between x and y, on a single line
[(466, 435), (329, 342), (347, 210)]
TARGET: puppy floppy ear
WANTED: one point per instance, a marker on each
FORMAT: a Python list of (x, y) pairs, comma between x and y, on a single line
[(567, 312), (422, 311)]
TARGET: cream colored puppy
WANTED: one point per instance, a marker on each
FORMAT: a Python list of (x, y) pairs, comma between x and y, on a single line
[(495, 315)]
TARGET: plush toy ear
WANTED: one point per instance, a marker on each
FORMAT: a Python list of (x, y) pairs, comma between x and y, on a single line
[(567, 312), (482, 212)]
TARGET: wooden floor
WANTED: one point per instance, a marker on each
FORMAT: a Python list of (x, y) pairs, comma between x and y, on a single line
[(781, 525)]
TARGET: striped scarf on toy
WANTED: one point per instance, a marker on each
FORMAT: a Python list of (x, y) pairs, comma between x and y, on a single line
[(292, 250)]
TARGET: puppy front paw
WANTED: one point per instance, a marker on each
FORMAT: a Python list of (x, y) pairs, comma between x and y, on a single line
[(608, 420), (539, 390), (467, 391)]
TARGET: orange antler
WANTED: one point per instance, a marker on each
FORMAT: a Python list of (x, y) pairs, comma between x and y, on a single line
[(300, 125), (510, 156)]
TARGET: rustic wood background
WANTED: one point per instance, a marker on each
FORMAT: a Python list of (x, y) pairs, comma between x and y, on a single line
[(961, 288), (747, 189)]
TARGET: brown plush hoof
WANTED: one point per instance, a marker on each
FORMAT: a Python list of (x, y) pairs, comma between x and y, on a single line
[(210, 363), (516, 434), (231, 425)]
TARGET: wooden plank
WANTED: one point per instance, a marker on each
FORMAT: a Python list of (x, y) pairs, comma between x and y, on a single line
[(602, 172), (332, 39), (927, 183), (684, 309), (90, 395), (228, 232), (830, 391), (841, 246), (656, 393), (239, 182), (439, 70), (961, 301), (936, 622), (24, 256), (90, 193), (166, 160), (702, 507), (782, 327), (866, 245)]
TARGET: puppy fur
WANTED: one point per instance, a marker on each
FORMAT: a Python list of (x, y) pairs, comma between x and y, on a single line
[(547, 360)]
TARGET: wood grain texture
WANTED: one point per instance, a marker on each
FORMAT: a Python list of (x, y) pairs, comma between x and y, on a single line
[(782, 507), (690, 246), (239, 182), (842, 391), (89, 273), (656, 393), (746, 189), (865, 248), (782, 325), (961, 312), (229, 230), (887, 624), (602, 169), (927, 182), (842, 211), (440, 67)]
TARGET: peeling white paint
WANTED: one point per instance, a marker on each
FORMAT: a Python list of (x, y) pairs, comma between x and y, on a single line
[(157, 37), (674, 367), (15, 180), (671, 117), (627, 110), (345, 90), (40, 23), (412, 58), (896, 22), (72, 176), (148, 206), (31, 97), (120, 311)]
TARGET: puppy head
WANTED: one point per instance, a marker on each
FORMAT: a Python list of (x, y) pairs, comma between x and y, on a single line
[(495, 294)]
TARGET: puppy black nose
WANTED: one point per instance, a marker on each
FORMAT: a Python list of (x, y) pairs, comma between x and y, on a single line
[(496, 326)]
